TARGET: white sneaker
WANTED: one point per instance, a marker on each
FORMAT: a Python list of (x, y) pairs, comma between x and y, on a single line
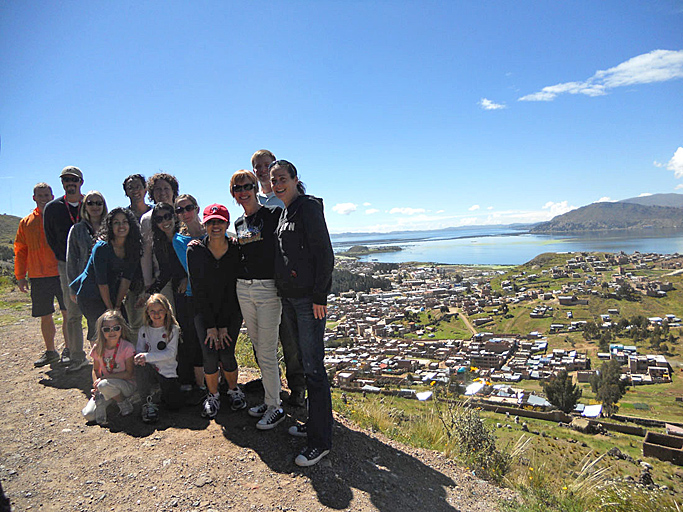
[(125, 407), (212, 404)]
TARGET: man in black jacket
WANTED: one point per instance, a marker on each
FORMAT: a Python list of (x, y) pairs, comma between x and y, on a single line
[(59, 215)]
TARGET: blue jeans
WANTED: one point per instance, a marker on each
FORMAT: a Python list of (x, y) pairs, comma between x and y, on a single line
[(309, 332)]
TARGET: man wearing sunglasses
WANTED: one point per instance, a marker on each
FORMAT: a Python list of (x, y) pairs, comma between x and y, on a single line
[(58, 217)]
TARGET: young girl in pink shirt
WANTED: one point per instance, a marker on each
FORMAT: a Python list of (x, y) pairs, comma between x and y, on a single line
[(113, 375)]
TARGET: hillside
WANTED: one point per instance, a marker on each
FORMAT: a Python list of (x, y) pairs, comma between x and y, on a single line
[(672, 200), (613, 216), (8, 228)]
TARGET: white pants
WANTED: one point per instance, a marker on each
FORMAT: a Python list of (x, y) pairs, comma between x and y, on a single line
[(262, 310), (108, 388)]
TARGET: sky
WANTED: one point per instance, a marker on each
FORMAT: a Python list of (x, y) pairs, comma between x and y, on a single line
[(400, 115)]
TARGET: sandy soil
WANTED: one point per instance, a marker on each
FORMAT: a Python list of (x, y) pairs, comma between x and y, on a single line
[(51, 460)]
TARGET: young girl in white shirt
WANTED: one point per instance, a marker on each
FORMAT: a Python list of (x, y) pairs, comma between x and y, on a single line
[(155, 360)]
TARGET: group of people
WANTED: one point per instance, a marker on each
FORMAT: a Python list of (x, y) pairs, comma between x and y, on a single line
[(164, 293)]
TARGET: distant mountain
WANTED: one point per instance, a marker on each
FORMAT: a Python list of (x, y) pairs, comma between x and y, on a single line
[(614, 216), (8, 228), (672, 200)]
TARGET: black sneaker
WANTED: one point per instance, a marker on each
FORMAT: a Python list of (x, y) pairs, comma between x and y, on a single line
[(196, 396), (258, 410), (271, 418), (76, 364), (310, 456), (297, 398), (298, 430), (48, 357), (66, 360), (237, 399)]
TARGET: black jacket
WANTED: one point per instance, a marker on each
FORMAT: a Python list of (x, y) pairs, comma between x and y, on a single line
[(58, 218), (213, 286), (304, 259)]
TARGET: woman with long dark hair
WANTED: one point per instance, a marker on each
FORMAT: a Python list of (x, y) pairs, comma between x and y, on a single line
[(190, 362), (164, 226), (303, 275), (111, 267)]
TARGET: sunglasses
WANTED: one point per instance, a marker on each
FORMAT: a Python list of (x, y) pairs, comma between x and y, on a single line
[(162, 218), (246, 187), (71, 179), (94, 203), (115, 328), (188, 208)]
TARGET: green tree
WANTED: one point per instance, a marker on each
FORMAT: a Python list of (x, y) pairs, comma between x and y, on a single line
[(626, 291), (608, 386), (562, 392), (639, 321), (590, 330)]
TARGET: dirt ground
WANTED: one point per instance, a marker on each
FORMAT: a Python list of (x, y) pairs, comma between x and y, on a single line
[(50, 459)]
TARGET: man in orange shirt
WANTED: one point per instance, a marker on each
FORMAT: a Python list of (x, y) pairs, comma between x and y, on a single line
[(33, 256)]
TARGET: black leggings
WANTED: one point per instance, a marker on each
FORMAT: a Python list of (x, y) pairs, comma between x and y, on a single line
[(213, 356)]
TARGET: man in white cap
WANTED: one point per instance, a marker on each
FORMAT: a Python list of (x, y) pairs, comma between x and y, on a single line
[(58, 217)]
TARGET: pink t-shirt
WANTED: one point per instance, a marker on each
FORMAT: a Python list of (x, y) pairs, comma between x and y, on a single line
[(111, 367)]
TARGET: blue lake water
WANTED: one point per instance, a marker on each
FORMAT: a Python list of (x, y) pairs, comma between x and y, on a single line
[(505, 245)]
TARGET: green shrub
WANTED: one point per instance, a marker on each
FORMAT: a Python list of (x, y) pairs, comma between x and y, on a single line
[(473, 442)]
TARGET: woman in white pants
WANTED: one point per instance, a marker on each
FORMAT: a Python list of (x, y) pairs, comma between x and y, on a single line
[(261, 307)]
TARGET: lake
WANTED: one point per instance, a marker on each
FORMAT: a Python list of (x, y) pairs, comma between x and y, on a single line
[(504, 245)]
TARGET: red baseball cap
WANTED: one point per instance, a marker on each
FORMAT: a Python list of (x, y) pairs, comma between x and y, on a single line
[(216, 211)]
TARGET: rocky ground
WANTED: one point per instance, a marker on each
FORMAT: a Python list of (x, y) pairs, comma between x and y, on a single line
[(51, 460)]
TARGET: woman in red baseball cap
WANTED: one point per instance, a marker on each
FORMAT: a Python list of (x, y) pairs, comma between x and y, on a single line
[(212, 265)]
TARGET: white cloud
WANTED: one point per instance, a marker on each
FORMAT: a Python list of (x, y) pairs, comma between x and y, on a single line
[(407, 211), (657, 164), (644, 194), (367, 204), (679, 187), (490, 105), (474, 207), (344, 208), (440, 211), (605, 199), (370, 211), (656, 66), (676, 163), (489, 207), (558, 208)]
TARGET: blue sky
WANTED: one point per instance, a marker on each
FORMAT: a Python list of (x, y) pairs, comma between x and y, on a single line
[(400, 115)]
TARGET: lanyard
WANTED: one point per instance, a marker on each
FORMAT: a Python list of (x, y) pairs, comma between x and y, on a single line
[(112, 362), (68, 209)]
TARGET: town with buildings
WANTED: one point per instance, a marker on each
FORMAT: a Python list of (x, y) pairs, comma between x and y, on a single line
[(381, 339)]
